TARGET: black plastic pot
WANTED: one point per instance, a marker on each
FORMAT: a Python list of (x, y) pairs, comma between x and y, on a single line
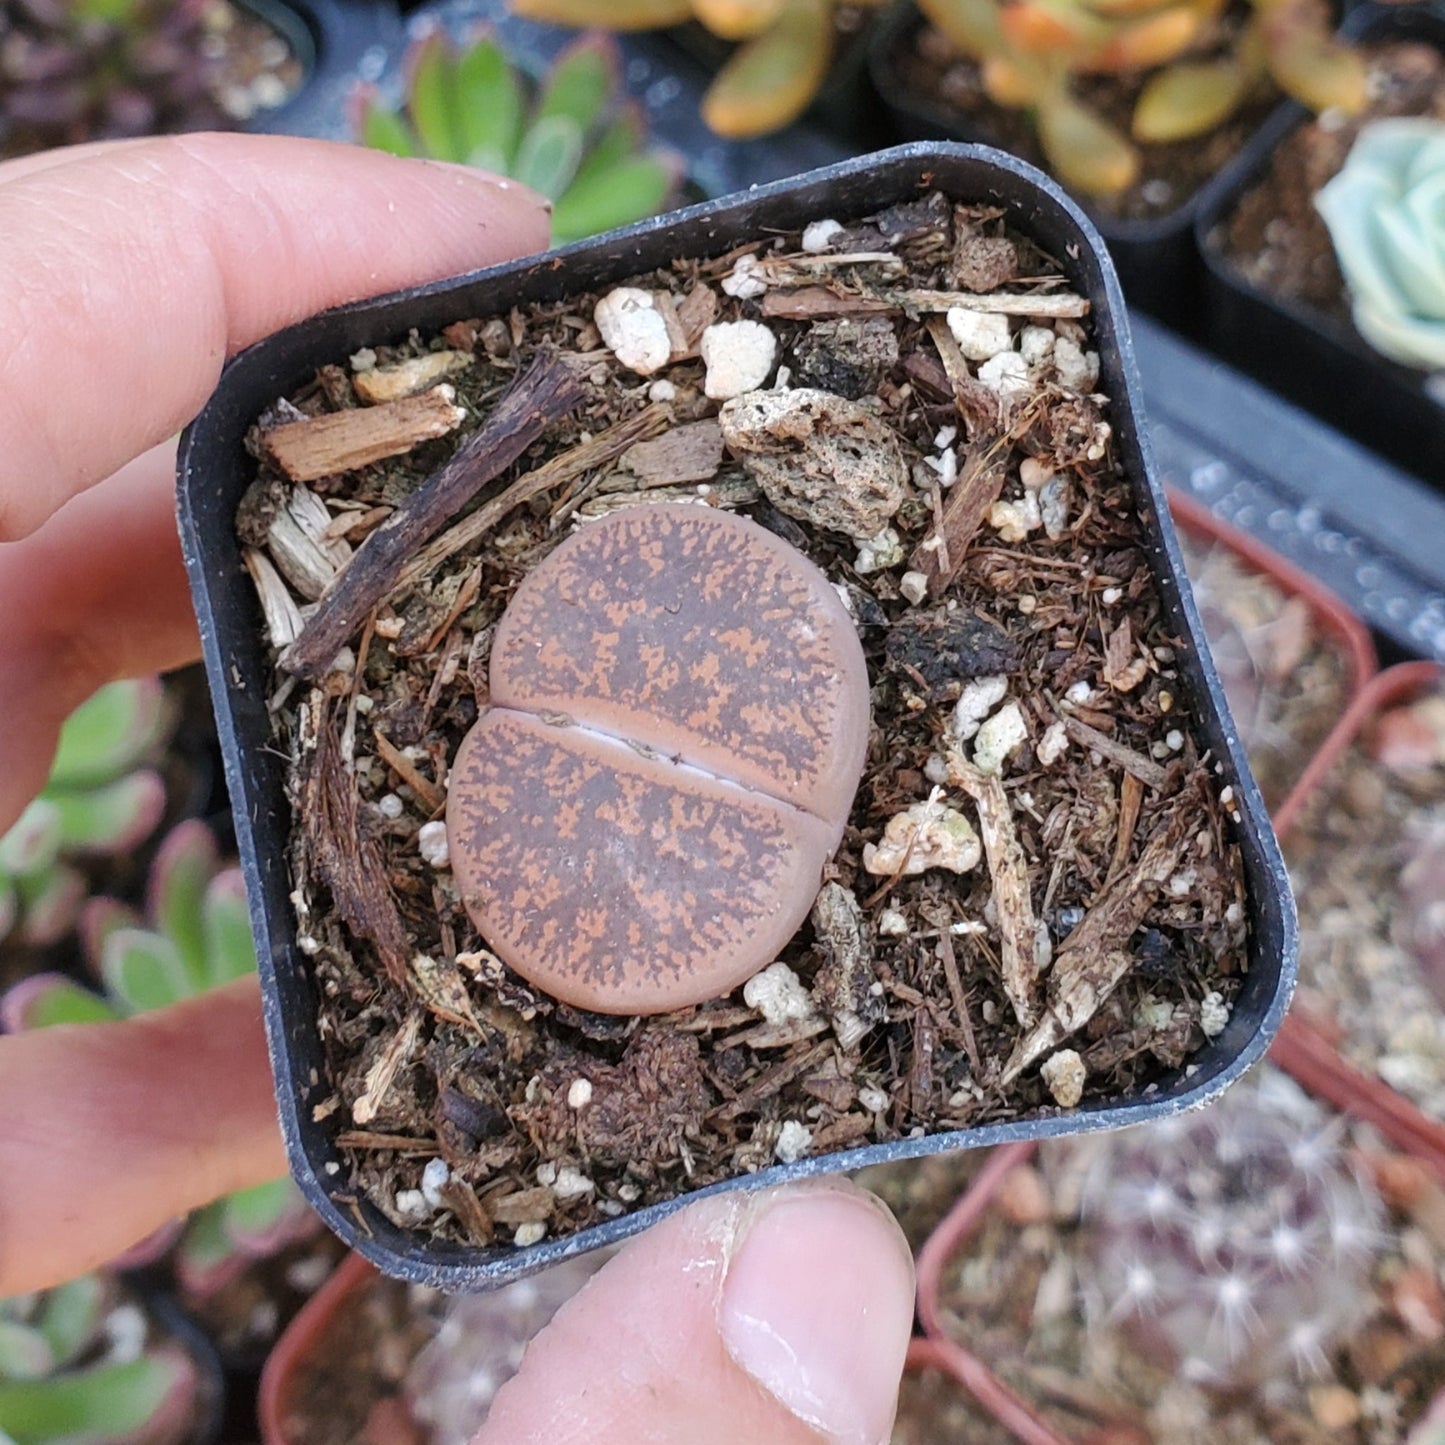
[(1313, 360), (214, 469), (339, 42), (1155, 259)]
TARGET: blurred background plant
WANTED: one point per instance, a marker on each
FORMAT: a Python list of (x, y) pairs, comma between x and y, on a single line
[(1234, 1245), (783, 53), (573, 136), (1029, 51), (195, 936), (1385, 211), (77, 70), (98, 801), (78, 1366)]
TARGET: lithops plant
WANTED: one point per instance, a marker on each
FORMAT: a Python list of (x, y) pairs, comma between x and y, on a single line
[(1385, 210), (75, 1366), (97, 801), (574, 137), (1233, 1244), (678, 724), (196, 936)]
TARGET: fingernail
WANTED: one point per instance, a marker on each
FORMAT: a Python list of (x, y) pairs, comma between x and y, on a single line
[(817, 1307), (486, 180)]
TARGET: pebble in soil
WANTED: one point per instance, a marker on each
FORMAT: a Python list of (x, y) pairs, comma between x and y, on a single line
[(1055, 778)]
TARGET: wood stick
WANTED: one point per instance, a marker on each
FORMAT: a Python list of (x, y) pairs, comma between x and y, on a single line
[(545, 392), (999, 303), (322, 446), (1145, 769)]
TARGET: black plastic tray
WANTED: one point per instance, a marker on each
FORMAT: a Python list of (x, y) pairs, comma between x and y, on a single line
[(214, 470)]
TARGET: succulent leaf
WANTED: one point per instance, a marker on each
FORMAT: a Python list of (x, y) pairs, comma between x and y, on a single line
[(1083, 149), (384, 130), (144, 971), (46, 999), (1043, 27), (1307, 62), (1154, 40), (768, 82), (580, 84), (25, 1353), (549, 155), (108, 733), (604, 198), (256, 1219), (112, 817), (1189, 99), (432, 93), (230, 951), (207, 1258), (33, 842), (71, 1315), (970, 25), (621, 14), (50, 902), (107, 1402), (737, 19), (491, 106), (184, 865)]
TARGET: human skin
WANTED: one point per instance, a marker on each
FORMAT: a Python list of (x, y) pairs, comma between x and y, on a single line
[(130, 272)]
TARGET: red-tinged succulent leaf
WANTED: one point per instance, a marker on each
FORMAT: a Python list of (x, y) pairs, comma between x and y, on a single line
[(1190, 99), (1083, 149)]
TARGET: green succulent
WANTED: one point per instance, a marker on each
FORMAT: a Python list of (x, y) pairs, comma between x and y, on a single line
[(1385, 211), (574, 138), (196, 936), (63, 1382), (97, 801)]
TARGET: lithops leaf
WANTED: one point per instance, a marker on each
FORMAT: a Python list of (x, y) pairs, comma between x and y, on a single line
[(184, 866), (1189, 99), (143, 971), (549, 155), (491, 102), (626, 191), (230, 950), (432, 99), (1083, 149), (71, 1314), (108, 733), (737, 19), (112, 817), (770, 81)]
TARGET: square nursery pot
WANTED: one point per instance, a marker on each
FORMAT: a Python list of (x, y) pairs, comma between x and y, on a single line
[(1320, 361), (215, 470), (1156, 258)]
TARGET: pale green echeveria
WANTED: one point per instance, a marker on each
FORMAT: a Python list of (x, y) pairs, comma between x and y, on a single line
[(1385, 211)]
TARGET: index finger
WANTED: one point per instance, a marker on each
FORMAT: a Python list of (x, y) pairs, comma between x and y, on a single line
[(131, 273)]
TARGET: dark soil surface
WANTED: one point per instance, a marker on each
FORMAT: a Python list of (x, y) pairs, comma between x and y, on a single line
[(1274, 238), (931, 70), (548, 1118)]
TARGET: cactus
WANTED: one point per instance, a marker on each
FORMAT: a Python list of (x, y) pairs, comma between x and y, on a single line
[(782, 59), (196, 936), (1234, 1244), (575, 140), (1028, 50), (96, 802), (75, 1366), (1385, 211)]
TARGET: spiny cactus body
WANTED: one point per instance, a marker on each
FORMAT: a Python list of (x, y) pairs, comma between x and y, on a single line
[(1233, 1244), (1029, 50)]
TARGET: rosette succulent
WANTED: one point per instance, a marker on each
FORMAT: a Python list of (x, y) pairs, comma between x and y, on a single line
[(1385, 211), (574, 137), (76, 1365), (196, 936), (97, 801)]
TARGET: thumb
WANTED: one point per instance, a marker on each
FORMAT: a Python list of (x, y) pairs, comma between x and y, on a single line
[(779, 1318)]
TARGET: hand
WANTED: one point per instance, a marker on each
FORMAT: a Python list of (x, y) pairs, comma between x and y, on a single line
[(131, 272)]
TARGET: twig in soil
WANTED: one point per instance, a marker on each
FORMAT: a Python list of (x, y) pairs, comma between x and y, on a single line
[(341, 441), (544, 393), (1145, 769), (427, 793), (1131, 799), (998, 303), (1017, 926), (347, 861), (382, 1073), (605, 447), (772, 1080), (813, 303), (960, 999), (278, 607), (1094, 958)]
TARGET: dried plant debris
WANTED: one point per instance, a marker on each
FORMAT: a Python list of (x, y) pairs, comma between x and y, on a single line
[(1037, 901), (1368, 865)]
